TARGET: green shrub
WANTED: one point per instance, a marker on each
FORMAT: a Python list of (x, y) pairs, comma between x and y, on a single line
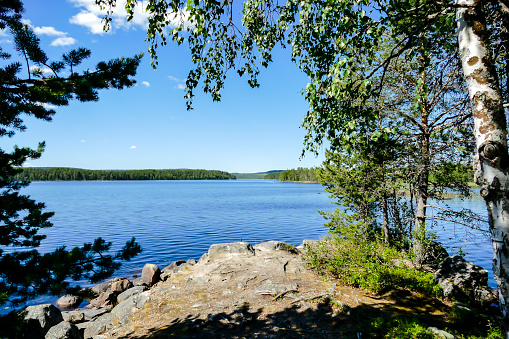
[(369, 265)]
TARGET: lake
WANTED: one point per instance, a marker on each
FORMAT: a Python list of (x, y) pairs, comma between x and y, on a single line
[(175, 220)]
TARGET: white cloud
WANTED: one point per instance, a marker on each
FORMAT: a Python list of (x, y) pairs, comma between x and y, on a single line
[(133, 147), (181, 86), (48, 30), (91, 16), (89, 20), (171, 77), (27, 164), (5, 41), (145, 83), (42, 69), (3, 32), (63, 41), (46, 105), (83, 141)]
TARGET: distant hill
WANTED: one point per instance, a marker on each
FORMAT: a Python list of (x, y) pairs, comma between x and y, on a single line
[(258, 175)]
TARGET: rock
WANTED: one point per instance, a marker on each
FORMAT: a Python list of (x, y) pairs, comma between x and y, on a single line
[(99, 326), (228, 250), (120, 286), (130, 292), (45, 316), (73, 316), (138, 282), (172, 267), (439, 334), (274, 289), (464, 281), (191, 262), (103, 287), (434, 254), (150, 274), (92, 314), (105, 299), (127, 307), (69, 301), (204, 257), (274, 246), (64, 330), (305, 243)]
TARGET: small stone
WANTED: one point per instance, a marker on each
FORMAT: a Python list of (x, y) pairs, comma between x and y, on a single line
[(73, 316), (191, 262), (173, 266), (440, 334), (69, 301)]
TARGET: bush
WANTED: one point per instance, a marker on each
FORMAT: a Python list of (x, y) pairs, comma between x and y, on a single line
[(368, 264)]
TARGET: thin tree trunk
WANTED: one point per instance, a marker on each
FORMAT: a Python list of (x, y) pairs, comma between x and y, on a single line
[(386, 218), (490, 130)]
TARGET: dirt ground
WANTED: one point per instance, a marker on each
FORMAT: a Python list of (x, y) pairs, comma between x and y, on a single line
[(269, 295)]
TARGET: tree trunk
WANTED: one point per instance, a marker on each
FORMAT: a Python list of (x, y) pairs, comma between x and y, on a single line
[(492, 160), (385, 211), (422, 184)]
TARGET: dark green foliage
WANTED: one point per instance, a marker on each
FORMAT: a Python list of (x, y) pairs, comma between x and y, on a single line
[(78, 174), (24, 272), (296, 175)]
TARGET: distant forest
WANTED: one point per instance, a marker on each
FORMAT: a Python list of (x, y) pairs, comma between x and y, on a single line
[(78, 174), (300, 175)]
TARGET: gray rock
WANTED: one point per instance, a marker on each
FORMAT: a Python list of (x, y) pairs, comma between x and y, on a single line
[(63, 330), (120, 286), (138, 282), (73, 316), (273, 246), (127, 307), (69, 301), (228, 250), (201, 280), (274, 289), (173, 266), (440, 334), (130, 292), (103, 287), (464, 281), (94, 313), (99, 326), (191, 262), (45, 316), (204, 257), (151, 274)]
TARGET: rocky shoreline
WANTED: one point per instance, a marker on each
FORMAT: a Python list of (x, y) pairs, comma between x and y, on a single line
[(233, 288)]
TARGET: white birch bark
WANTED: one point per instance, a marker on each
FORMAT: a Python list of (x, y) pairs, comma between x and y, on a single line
[(490, 131)]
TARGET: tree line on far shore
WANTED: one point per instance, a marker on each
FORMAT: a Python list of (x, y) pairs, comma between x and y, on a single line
[(78, 174), (461, 172)]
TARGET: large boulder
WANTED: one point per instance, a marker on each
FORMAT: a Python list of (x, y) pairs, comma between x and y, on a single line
[(40, 318), (130, 292), (63, 330), (120, 286), (99, 326), (464, 281), (151, 274), (228, 250), (127, 307), (103, 287), (107, 298)]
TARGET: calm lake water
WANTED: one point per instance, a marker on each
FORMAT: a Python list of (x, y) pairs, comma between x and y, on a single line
[(175, 220)]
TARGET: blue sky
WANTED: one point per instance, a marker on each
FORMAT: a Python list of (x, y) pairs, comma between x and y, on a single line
[(148, 126)]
